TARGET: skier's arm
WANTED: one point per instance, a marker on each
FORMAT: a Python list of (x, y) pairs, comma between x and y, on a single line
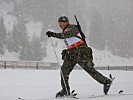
[(56, 35), (70, 32)]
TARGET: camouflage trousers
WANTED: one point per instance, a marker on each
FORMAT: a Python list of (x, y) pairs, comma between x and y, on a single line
[(83, 57)]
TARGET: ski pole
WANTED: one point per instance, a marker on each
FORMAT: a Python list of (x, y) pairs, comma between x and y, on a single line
[(59, 65), (55, 52)]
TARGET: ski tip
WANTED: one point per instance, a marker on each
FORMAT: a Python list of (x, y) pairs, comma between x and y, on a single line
[(20, 98), (73, 91), (75, 94), (110, 76), (121, 91)]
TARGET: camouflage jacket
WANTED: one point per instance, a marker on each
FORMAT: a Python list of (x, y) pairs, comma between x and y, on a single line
[(70, 31), (81, 52)]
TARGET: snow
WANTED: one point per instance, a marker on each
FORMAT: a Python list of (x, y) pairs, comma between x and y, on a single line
[(101, 57), (33, 28), (105, 58), (44, 84), (9, 56)]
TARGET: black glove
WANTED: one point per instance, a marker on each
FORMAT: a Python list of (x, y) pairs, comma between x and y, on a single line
[(50, 34)]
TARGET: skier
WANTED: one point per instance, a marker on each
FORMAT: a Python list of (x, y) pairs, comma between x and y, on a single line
[(77, 52)]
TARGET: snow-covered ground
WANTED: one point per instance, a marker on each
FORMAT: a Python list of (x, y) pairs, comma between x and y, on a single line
[(43, 84)]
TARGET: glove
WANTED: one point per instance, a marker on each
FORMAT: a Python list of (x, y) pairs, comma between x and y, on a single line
[(49, 33)]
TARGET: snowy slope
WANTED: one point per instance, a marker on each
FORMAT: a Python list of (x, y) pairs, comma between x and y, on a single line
[(42, 84), (9, 56), (105, 58), (101, 57)]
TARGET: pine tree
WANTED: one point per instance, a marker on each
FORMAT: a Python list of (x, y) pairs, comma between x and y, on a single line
[(43, 41), (9, 42), (15, 39), (36, 49), (2, 35), (23, 42)]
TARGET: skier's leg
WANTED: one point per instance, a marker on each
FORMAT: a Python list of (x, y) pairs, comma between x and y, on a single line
[(86, 62), (66, 68), (88, 67)]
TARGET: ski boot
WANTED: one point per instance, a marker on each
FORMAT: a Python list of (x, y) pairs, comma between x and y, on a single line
[(63, 93), (106, 87)]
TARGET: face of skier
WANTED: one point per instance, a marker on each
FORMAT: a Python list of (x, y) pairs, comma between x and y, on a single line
[(63, 24)]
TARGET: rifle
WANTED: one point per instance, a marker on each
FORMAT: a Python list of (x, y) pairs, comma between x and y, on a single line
[(80, 30)]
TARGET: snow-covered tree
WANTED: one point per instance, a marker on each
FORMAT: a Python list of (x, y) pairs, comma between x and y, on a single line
[(15, 42), (36, 50), (2, 35), (43, 41), (9, 42), (23, 42)]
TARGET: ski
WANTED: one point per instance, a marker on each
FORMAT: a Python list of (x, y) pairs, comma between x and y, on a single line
[(68, 97), (109, 95), (59, 98), (20, 98), (49, 98), (120, 93), (72, 95)]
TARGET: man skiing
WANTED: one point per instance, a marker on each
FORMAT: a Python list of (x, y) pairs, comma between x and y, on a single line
[(77, 52)]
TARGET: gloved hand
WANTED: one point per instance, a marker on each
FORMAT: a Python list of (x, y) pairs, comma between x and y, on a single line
[(49, 33)]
